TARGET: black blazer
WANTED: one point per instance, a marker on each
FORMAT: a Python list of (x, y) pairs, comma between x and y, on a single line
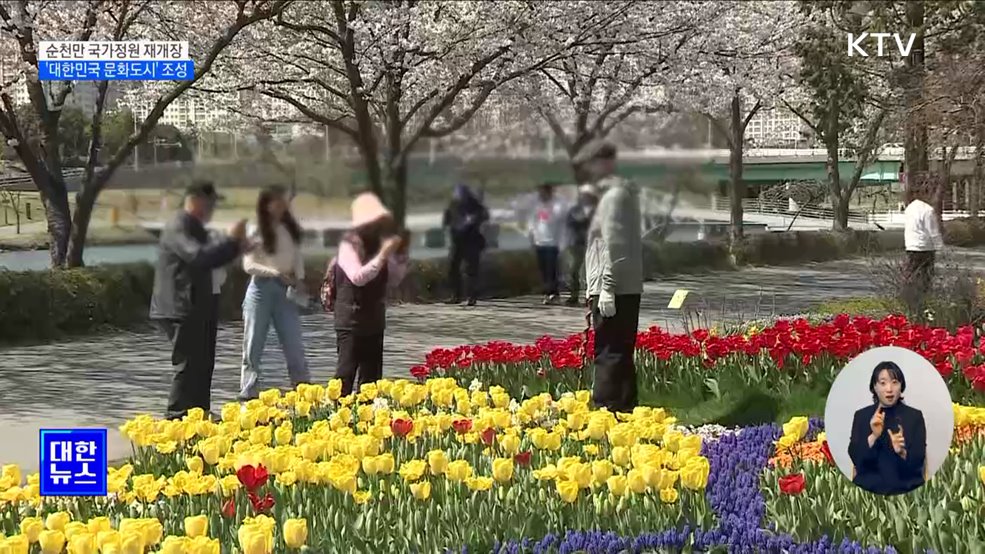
[(183, 273), (879, 469)]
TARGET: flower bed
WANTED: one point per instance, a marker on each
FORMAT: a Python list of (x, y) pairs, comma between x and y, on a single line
[(787, 353), (402, 467), (407, 467)]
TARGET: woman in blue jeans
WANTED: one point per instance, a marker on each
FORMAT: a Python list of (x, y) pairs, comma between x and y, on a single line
[(274, 266)]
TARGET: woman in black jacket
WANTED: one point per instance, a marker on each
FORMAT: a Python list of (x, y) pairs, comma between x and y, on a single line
[(464, 218), (889, 439)]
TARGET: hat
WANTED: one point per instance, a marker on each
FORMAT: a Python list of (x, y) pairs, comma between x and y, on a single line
[(588, 189), (203, 189), (595, 149), (367, 208)]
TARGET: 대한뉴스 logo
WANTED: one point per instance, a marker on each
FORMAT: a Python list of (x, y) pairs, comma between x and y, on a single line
[(855, 44)]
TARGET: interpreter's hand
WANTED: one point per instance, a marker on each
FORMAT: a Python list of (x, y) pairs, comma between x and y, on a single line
[(238, 231), (899, 442), (607, 304), (878, 422)]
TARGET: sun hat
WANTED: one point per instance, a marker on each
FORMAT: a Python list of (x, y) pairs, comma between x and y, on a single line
[(367, 208)]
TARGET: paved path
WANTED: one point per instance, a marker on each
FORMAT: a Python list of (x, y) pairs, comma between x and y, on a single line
[(102, 381)]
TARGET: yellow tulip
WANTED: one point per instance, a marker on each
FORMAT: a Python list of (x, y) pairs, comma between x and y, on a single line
[(97, 524), (668, 496), (132, 543), (509, 443), (617, 485), (636, 481), (361, 497), (796, 427), (502, 469), (52, 542), (175, 545), (981, 474), (31, 528), (11, 473), (194, 464), (459, 470), (334, 389), (421, 491), (197, 526), (479, 483), (204, 545), (567, 490), (57, 521), (601, 471), (385, 463), (82, 543), (17, 544), (152, 530), (621, 456), (413, 470), (252, 540), (370, 466), (108, 537), (209, 449), (296, 532), (283, 434)]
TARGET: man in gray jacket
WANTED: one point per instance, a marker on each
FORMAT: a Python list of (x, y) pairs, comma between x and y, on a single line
[(614, 268), (184, 303)]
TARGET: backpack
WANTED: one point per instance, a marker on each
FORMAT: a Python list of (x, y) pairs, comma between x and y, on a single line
[(328, 289)]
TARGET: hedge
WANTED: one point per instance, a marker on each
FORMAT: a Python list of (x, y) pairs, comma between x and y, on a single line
[(44, 305)]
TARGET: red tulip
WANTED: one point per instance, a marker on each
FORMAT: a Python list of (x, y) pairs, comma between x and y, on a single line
[(522, 458), (252, 477), (229, 509), (420, 372), (462, 426), (793, 484), (488, 435), (261, 505), (401, 427), (827, 452)]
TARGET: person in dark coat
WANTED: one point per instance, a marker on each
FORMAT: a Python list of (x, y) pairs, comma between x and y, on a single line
[(184, 303), (889, 439), (464, 218), (579, 218)]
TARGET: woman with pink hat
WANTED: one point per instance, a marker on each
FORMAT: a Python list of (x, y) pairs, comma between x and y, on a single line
[(372, 259)]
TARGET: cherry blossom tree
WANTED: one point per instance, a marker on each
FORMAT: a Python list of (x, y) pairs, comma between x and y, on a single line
[(390, 74), (209, 27), (623, 71), (843, 99), (735, 71)]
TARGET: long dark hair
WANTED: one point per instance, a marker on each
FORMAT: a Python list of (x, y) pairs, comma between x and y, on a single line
[(267, 230)]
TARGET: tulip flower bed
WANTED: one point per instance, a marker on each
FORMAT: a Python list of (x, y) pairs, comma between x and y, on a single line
[(776, 358), (402, 467)]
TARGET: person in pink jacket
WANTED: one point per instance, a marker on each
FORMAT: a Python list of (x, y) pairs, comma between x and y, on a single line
[(372, 259)]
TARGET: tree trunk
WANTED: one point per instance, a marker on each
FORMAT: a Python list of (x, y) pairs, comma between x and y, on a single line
[(59, 216), (737, 188), (839, 203), (85, 201), (396, 186), (915, 140), (975, 187)]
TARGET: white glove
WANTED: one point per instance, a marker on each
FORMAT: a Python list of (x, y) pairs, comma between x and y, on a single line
[(607, 304)]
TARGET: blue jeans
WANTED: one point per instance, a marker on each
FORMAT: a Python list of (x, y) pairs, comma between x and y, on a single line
[(266, 302)]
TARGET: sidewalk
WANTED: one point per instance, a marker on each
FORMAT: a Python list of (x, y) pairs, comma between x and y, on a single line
[(105, 380)]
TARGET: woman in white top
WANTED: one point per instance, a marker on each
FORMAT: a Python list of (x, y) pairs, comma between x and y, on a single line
[(274, 265), (922, 238), (545, 229)]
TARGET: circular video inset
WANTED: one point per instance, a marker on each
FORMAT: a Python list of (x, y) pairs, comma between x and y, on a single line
[(889, 420)]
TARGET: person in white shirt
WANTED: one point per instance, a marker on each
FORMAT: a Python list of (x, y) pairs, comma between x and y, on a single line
[(922, 238), (545, 229), (275, 265)]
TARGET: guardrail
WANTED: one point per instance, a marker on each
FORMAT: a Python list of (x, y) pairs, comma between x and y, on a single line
[(780, 208), (25, 182)]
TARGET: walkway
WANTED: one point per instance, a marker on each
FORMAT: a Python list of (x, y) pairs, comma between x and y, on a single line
[(102, 381)]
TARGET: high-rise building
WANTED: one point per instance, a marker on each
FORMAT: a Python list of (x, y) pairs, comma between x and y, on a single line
[(776, 127)]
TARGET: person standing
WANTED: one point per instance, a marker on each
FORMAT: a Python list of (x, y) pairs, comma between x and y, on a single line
[(372, 259), (545, 229), (922, 239), (464, 218), (184, 303), (275, 267), (578, 220), (614, 267)]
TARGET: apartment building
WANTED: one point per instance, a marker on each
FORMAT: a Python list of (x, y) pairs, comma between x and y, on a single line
[(776, 127)]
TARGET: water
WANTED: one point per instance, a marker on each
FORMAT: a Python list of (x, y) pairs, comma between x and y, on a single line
[(509, 239)]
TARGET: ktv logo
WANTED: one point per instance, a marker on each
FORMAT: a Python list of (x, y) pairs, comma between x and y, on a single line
[(855, 44)]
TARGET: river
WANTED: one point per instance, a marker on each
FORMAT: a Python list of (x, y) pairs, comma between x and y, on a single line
[(33, 260)]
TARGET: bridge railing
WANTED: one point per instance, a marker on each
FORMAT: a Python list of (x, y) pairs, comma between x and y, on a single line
[(25, 182), (780, 207)]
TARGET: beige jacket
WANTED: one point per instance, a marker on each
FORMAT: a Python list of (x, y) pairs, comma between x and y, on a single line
[(614, 257)]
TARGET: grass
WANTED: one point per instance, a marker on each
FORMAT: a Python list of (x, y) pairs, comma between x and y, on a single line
[(98, 236), (872, 306)]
